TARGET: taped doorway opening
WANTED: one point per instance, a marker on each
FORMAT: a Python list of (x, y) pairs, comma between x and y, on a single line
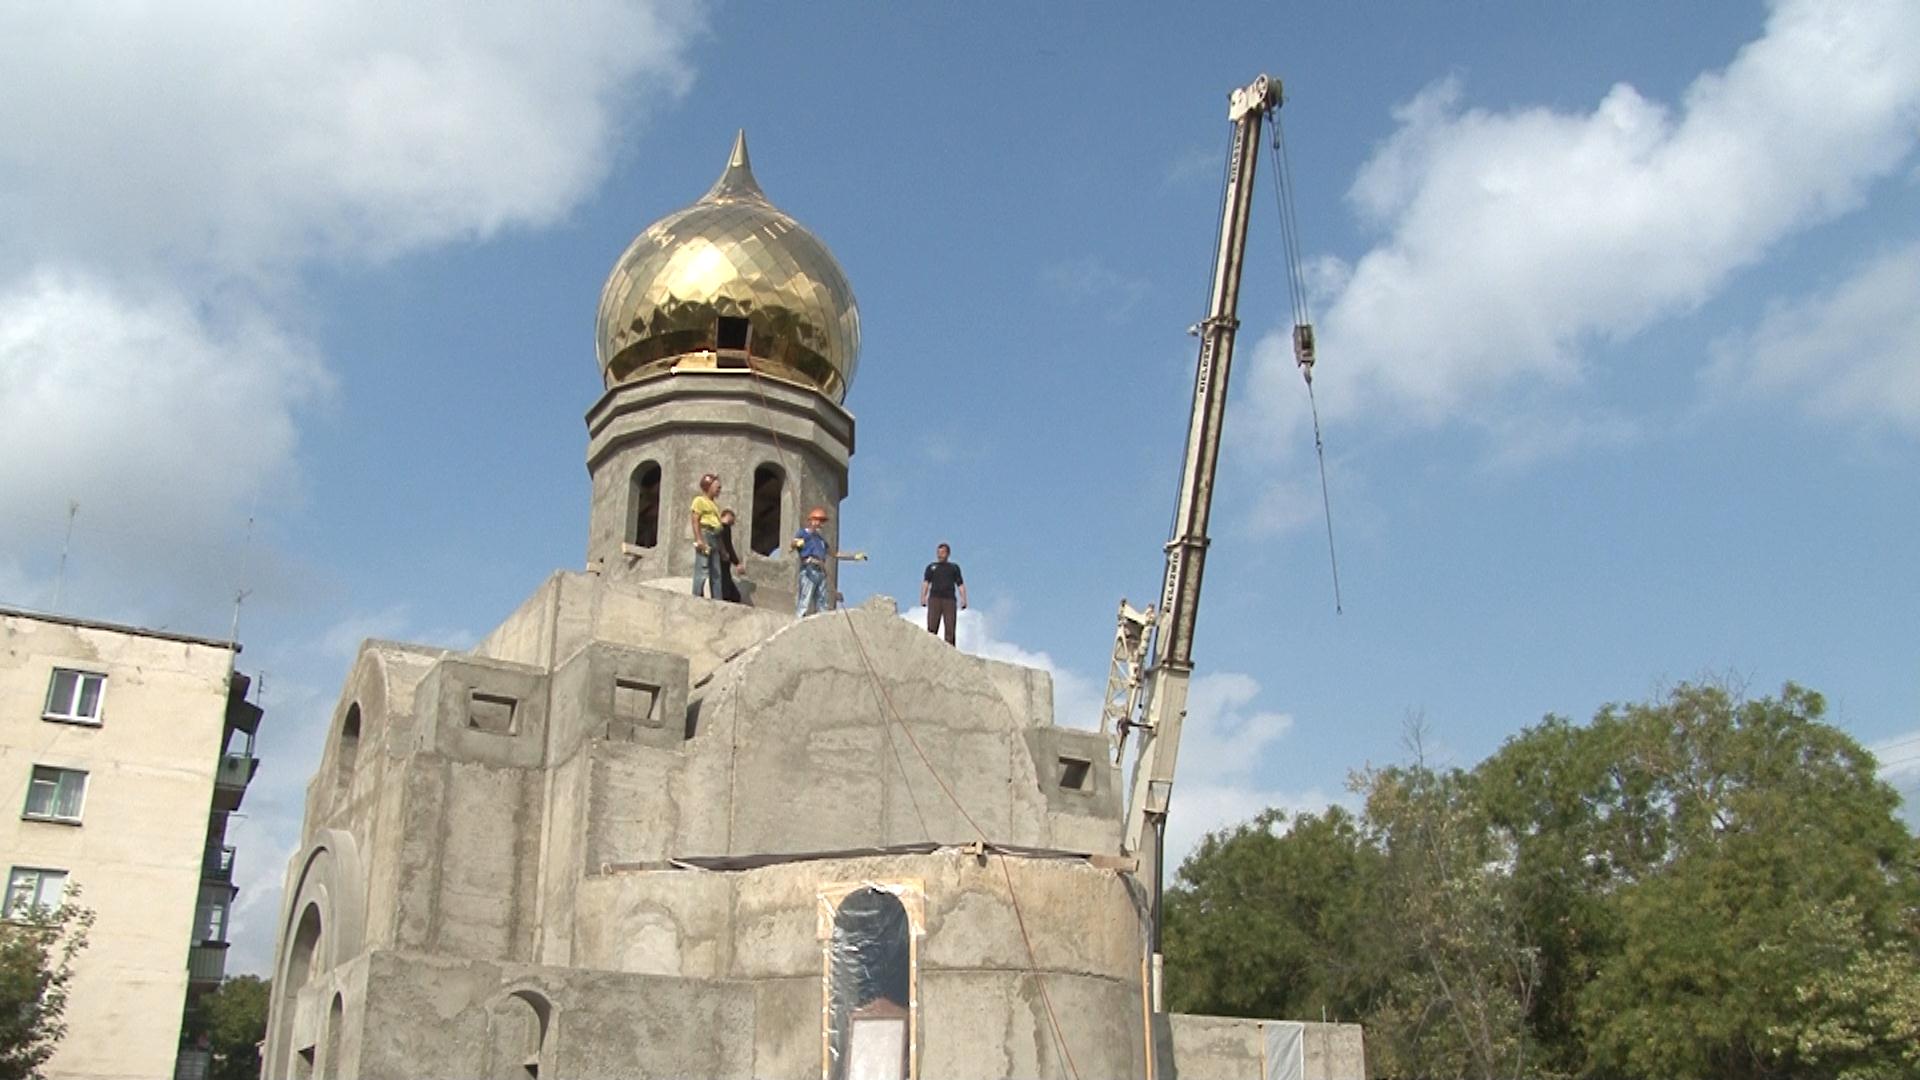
[(870, 993)]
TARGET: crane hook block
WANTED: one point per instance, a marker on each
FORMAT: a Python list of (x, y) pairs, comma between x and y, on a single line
[(1303, 348)]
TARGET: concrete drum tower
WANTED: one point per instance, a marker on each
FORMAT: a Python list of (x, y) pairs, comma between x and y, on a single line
[(638, 834)]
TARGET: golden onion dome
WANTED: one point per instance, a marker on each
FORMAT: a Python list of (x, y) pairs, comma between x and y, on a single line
[(728, 281)]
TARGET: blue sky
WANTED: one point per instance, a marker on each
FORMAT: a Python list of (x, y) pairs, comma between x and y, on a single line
[(1619, 313)]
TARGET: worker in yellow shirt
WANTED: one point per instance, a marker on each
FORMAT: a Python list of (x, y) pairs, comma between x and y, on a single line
[(704, 519)]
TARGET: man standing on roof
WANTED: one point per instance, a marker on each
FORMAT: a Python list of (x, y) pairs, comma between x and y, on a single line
[(811, 543), (938, 588), (704, 517)]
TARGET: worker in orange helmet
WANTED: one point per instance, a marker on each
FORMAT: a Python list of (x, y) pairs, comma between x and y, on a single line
[(814, 550)]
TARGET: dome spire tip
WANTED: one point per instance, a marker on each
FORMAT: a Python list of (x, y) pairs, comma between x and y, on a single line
[(737, 181)]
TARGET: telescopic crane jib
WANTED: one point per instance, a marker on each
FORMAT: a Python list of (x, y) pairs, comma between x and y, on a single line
[(1152, 699)]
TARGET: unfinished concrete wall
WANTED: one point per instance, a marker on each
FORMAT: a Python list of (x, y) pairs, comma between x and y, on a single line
[(441, 1019), (1231, 1048), (830, 728)]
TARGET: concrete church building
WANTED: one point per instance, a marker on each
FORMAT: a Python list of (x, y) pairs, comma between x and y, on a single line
[(634, 833)]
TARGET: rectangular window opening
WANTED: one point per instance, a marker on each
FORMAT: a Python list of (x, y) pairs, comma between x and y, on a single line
[(492, 713), (55, 794), (635, 704), (731, 334), (75, 696), (29, 888), (1075, 774)]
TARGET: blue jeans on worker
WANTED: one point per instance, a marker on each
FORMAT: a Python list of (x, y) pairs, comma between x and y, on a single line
[(812, 595), (706, 565)]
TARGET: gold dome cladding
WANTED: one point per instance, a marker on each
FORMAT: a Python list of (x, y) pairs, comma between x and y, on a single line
[(732, 265)]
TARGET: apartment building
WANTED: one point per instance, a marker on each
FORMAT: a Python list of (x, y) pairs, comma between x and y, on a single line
[(124, 751)]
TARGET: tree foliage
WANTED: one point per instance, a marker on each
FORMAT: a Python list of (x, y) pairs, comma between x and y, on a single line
[(1699, 886), (38, 946), (229, 1022)]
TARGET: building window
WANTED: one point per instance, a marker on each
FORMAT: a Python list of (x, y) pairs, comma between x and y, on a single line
[(29, 888), (768, 483), (55, 794), (75, 696), (643, 523)]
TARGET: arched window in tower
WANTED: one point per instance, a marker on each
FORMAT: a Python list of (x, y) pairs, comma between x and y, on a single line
[(348, 753), (769, 483), (643, 520), (870, 962)]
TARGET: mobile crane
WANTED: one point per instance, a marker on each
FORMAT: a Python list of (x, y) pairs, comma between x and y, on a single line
[(1151, 698)]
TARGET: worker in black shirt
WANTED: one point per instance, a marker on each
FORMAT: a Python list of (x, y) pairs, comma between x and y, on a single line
[(729, 558), (940, 590)]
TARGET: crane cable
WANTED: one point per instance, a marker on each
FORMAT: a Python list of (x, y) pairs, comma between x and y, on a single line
[(1303, 344)]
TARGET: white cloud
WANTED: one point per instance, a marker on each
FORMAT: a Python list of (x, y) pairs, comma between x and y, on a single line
[(1849, 353), (1899, 757), (243, 137), (163, 418), (1076, 697), (170, 171), (1229, 750), (1514, 241)]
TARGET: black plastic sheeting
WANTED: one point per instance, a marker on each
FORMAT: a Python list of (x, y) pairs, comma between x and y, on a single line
[(869, 970)]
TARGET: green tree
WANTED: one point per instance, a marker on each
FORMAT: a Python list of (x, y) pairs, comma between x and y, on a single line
[(1859, 1016), (230, 1021), (1466, 969), (38, 946), (1700, 886), (1274, 918), (1774, 819)]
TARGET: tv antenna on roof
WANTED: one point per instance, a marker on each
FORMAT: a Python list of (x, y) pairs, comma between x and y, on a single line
[(60, 577), (241, 592)]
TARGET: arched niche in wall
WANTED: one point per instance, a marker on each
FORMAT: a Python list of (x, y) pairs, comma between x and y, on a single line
[(519, 1027), (643, 501), (323, 925), (330, 1042), (298, 968), (769, 488)]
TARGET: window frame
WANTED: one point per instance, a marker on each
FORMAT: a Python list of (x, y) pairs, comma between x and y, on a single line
[(58, 781), (65, 713), (10, 909)]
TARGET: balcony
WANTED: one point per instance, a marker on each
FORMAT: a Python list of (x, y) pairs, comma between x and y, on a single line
[(217, 865), (207, 963), (192, 1064), (230, 782)]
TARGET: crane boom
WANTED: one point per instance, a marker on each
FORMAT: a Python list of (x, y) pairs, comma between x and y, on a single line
[(1165, 703)]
